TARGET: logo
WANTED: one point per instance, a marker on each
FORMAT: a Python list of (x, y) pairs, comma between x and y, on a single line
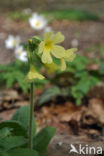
[(86, 149)]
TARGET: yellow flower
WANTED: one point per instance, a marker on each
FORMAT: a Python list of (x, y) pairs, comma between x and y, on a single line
[(33, 74), (69, 56), (49, 47), (51, 68)]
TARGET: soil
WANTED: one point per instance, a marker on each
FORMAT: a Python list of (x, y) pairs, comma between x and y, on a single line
[(61, 145)]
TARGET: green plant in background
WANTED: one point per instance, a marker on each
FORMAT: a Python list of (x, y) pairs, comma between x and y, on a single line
[(57, 14), (15, 73), (75, 82), (19, 16), (18, 135), (97, 48), (67, 83), (85, 79), (71, 15)]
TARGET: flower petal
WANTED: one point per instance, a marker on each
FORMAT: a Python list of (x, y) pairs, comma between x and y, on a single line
[(47, 35), (63, 64), (51, 68), (70, 54), (37, 22), (46, 57), (58, 37), (22, 57), (33, 74), (58, 51), (41, 47), (38, 76)]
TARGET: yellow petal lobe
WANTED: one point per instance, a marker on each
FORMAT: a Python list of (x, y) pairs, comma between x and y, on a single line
[(41, 47), (47, 35), (63, 64), (51, 68), (33, 74), (58, 51), (70, 54), (46, 57), (58, 37)]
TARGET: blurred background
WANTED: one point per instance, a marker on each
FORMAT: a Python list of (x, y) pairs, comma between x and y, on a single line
[(94, 6), (73, 100)]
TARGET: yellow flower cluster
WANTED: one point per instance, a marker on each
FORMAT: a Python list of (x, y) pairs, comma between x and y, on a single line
[(49, 48)]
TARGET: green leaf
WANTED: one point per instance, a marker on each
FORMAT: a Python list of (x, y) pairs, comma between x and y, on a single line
[(2, 153), (23, 115), (12, 141), (36, 39), (78, 64), (14, 73), (4, 132), (85, 83), (49, 94), (17, 128), (23, 152), (42, 139)]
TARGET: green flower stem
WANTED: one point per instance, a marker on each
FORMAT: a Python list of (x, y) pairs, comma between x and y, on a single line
[(31, 114)]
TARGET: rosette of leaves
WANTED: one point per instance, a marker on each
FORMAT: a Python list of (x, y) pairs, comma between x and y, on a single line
[(14, 136)]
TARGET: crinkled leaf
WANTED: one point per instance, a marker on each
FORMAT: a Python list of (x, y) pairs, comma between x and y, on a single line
[(42, 139), (11, 142), (17, 128), (49, 94), (23, 152), (2, 153), (4, 132), (23, 115)]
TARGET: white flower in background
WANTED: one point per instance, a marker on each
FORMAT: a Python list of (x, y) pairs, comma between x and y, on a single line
[(74, 43), (37, 22), (27, 11), (47, 29), (20, 54), (35, 14), (12, 42)]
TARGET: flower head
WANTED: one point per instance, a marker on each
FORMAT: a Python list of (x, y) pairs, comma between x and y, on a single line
[(20, 54), (33, 74), (37, 22), (69, 56), (49, 47), (12, 42)]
